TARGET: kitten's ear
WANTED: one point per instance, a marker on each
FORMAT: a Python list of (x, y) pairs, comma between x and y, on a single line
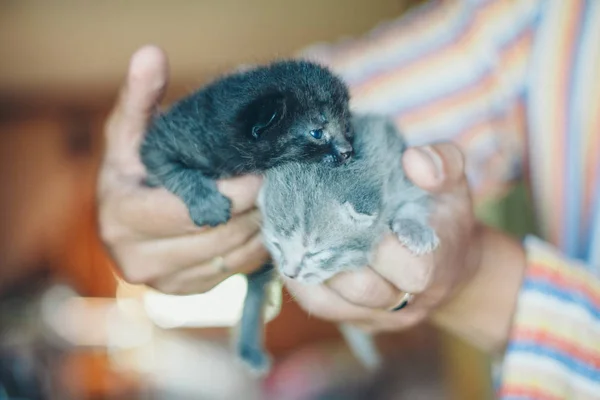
[(266, 112), (349, 213)]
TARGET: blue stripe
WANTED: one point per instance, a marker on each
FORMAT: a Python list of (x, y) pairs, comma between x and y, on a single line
[(593, 255), (454, 31), (450, 132), (572, 364), (565, 296), (455, 86), (573, 131), (592, 245), (442, 90)]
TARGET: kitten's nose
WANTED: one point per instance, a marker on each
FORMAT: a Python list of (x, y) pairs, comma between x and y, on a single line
[(291, 272), (345, 154)]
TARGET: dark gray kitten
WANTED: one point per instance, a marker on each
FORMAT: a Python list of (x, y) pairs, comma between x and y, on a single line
[(247, 122), (320, 221)]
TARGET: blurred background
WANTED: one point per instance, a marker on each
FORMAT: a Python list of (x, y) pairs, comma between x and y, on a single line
[(69, 329)]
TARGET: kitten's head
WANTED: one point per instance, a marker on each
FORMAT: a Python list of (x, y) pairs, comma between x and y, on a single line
[(312, 229), (300, 113)]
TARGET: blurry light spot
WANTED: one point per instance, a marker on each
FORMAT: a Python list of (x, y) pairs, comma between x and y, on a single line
[(220, 307)]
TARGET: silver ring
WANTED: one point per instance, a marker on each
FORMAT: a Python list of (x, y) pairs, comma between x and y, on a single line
[(218, 263), (405, 300)]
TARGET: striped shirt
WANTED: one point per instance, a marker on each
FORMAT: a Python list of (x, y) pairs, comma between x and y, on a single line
[(516, 83)]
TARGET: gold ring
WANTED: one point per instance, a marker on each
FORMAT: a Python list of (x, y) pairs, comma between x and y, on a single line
[(405, 300), (218, 263)]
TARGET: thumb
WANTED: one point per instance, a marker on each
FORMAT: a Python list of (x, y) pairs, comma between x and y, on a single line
[(436, 168), (145, 85)]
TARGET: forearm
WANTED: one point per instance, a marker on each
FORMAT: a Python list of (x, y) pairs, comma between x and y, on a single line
[(482, 311)]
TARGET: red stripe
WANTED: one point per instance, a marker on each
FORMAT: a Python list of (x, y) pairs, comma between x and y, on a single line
[(571, 282), (526, 392), (436, 59), (470, 94), (546, 339)]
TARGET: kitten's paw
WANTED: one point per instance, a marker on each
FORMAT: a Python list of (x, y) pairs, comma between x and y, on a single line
[(256, 360), (417, 237), (212, 211)]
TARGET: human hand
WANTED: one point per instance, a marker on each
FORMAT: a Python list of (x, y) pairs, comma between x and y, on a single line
[(148, 231), (364, 297)]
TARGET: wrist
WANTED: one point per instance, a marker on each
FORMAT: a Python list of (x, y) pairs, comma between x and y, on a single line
[(482, 308)]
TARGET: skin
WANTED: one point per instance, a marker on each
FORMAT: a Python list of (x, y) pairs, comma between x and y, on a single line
[(469, 285), (148, 231)]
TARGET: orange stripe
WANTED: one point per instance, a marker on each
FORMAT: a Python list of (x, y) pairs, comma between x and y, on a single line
[(399, 34), (449, 104), (592, 151), (565, 62), (530, 392), (514, 55), (423, 66), (540, 270), (544, 338)]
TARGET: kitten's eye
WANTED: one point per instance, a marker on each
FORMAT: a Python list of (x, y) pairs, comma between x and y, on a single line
[(317, 133)]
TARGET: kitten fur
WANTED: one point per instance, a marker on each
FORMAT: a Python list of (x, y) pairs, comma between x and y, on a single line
[(320, 221), (247, 122)]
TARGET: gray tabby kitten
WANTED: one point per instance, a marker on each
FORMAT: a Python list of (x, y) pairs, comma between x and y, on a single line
[(320, 221)]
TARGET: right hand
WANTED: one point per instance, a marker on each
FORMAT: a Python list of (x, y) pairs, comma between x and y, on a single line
[(148, 231)]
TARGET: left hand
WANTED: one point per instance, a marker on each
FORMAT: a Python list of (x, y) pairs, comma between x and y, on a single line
[(364, 297)]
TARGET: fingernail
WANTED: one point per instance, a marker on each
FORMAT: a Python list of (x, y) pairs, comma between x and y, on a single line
[(436, 160)]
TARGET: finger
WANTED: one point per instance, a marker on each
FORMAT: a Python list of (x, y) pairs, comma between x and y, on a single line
[(205, 276), (247, 258), (144, 213), (365, 288), (242, 191), (323, 302), (144, 87), (435, 168), (171, 286), (395, 321), (156, 212), (178, 253), (407, 272)]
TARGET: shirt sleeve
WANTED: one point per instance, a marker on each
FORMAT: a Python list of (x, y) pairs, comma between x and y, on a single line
[(554, 350), (448, 70)]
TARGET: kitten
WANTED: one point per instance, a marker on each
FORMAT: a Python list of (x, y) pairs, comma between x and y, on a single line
[(243, 123), (318, 221)]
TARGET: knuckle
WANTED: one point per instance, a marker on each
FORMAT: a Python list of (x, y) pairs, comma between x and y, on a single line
[(180, 290), (416, 277), (454, 158), (363, 291), (135, 276), (109, 233), (313, 305), (134, 268)]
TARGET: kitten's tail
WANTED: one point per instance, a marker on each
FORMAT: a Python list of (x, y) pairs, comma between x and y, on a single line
[(362, 346)]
